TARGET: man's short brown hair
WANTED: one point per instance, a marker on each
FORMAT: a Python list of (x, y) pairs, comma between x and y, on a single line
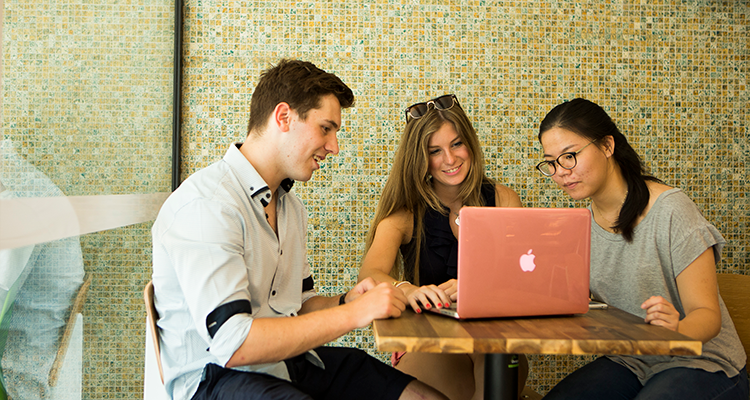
[(298, 83)]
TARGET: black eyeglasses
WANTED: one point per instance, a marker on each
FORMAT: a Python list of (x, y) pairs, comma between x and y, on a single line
[(566, 160), (444, 102)]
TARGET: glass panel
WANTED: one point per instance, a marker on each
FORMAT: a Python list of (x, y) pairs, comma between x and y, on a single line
[(85, 159)]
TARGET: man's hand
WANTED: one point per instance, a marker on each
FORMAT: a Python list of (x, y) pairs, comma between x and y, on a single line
[(360, 289), (375, 301)]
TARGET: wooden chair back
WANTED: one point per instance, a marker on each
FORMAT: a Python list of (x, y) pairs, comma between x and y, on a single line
[(62, 349), (735, 290), (152, 316)]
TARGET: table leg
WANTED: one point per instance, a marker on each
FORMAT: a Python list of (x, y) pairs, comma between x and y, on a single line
[(500, 376)]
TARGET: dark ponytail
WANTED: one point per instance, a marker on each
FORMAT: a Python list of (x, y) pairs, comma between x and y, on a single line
[(592, 122)]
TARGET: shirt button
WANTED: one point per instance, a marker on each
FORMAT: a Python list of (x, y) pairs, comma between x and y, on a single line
[(251, 188), (281, 252), (273, 293), (268, 195)]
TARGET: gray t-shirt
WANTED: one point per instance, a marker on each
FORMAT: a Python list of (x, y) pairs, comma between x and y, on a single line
[(671, 236)]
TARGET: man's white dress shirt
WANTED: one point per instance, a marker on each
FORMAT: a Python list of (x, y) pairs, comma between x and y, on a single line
[(212, 245)]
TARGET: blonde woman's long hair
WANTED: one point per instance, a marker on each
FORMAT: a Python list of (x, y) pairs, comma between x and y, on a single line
[(409, 185)]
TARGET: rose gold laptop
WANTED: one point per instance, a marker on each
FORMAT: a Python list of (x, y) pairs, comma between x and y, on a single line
[(518, 262)]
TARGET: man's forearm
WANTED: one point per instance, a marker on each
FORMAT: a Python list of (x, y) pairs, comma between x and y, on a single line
[(276, 339), (320, 303)]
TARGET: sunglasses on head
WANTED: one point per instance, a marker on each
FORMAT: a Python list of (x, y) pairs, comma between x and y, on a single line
[(443, 102)]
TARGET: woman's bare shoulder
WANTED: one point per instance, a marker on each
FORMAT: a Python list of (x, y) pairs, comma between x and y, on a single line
[(401, 221), (506, 197)]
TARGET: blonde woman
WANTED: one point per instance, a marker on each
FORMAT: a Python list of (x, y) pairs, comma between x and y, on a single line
[(412, 243)]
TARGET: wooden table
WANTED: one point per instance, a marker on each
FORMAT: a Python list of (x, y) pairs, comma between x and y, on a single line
[(610, 331)]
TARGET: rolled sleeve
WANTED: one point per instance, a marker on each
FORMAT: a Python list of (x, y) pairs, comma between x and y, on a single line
[(230, 337)]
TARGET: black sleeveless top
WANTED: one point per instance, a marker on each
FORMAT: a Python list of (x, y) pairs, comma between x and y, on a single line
[(438, 258)]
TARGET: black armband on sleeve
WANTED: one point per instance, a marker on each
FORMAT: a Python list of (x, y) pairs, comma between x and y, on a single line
[(308, 284), (221, 314)]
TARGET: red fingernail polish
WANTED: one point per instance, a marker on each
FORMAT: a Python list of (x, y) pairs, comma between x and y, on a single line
[(419, 311), (427, 305)]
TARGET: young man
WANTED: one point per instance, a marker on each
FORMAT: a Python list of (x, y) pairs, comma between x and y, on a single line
[(239, 316)]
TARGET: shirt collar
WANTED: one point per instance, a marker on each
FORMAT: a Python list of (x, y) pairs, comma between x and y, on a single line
[(252, 182)]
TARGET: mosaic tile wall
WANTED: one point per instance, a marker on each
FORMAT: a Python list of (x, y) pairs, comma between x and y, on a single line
[(87, 94), (673, 74), (87, 98)]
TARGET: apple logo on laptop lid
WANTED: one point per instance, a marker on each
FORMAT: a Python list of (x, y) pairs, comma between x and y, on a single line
[(527, 261)]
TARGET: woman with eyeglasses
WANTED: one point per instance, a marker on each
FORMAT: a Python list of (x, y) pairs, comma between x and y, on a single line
[(437, 170), (652, 254)]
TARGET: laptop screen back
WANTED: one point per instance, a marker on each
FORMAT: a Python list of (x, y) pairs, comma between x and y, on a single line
[(523, 261)]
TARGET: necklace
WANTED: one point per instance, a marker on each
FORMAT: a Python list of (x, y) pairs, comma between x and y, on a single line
[(601, 214), (458, 217), (610, 224)]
